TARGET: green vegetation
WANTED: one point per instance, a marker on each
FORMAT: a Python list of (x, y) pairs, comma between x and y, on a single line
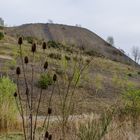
[(54, 44), (11, 64), (76, 87), (95, 129), (1, 35), (8, 108), (1, 27), (55, 56), (132, 105), (129, 74), (12, 136), (29, 39), (45, 80)]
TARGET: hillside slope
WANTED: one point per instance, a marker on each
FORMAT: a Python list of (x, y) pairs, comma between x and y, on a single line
[(71, 35)]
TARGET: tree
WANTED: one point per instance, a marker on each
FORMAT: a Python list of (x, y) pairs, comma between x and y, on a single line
[(78, 25), (1, 22), (136, 53), (110, 40), (50, 21)]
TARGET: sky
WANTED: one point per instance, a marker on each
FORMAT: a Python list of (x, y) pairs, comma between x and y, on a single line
[(117, 18)]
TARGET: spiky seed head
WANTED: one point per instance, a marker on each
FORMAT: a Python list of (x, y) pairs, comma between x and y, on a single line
[(18, 72), (34, 48), (15, 94), (46, 134), (44, 45), (50, 137), (20, 40), (54, 77), (49, 110), (46, 65), (26, 60)]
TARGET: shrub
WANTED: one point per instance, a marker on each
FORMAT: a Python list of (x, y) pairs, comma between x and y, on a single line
[(29, 39), (45, 80), (95, 129), (53, 44), (132, 105), (94, 53), (67, 57), (11, 64), (138, 72), (1, 35), (1, 27), (129, 74), (55, 56), (8, 108)]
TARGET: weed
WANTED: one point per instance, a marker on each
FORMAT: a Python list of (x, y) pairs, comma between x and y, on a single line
[(45, 80)]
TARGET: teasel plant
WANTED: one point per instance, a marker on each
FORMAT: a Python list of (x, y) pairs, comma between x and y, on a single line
[(67, 89), (28, 111)]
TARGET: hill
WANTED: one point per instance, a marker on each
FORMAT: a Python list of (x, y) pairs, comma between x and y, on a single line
[(102, 82), (79, 37)]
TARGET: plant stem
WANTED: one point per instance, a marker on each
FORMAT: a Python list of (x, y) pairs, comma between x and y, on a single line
[(31, 100), (48, 107), (39, 101), (25, 79), (22, 112)]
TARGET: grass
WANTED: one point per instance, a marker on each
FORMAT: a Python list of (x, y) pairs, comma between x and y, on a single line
[(12, 136), (99, 87)]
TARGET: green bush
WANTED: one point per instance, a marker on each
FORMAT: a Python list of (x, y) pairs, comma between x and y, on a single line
[(11, 64), (132, 105), (45, 80), (53, 44), (55, 56), (129, 74), (29, 39), (94, 53), (1, 27), (8, 108), (1, 35), (67, 57)]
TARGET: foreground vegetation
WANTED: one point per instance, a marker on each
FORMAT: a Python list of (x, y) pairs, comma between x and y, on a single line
[(67, 86)]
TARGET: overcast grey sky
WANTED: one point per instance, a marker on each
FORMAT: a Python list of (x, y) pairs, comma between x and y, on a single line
[(117, 18)]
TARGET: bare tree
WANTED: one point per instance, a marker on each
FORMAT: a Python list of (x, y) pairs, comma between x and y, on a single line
[(78, 25), (50, 21), (136, 53), (110, 40)]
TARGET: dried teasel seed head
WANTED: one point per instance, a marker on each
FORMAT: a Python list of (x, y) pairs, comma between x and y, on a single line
[(26, 60), (33, 48), (15, 94), (18, 72), (54, 77), (20, 40), (49, 110), (46, 65), (46, 134), (44, 45), (50, 137)]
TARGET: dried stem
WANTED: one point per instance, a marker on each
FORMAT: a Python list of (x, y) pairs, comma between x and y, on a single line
[(38, 106), (31, 100), (22, 112), (25, 79), (49, 105)]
